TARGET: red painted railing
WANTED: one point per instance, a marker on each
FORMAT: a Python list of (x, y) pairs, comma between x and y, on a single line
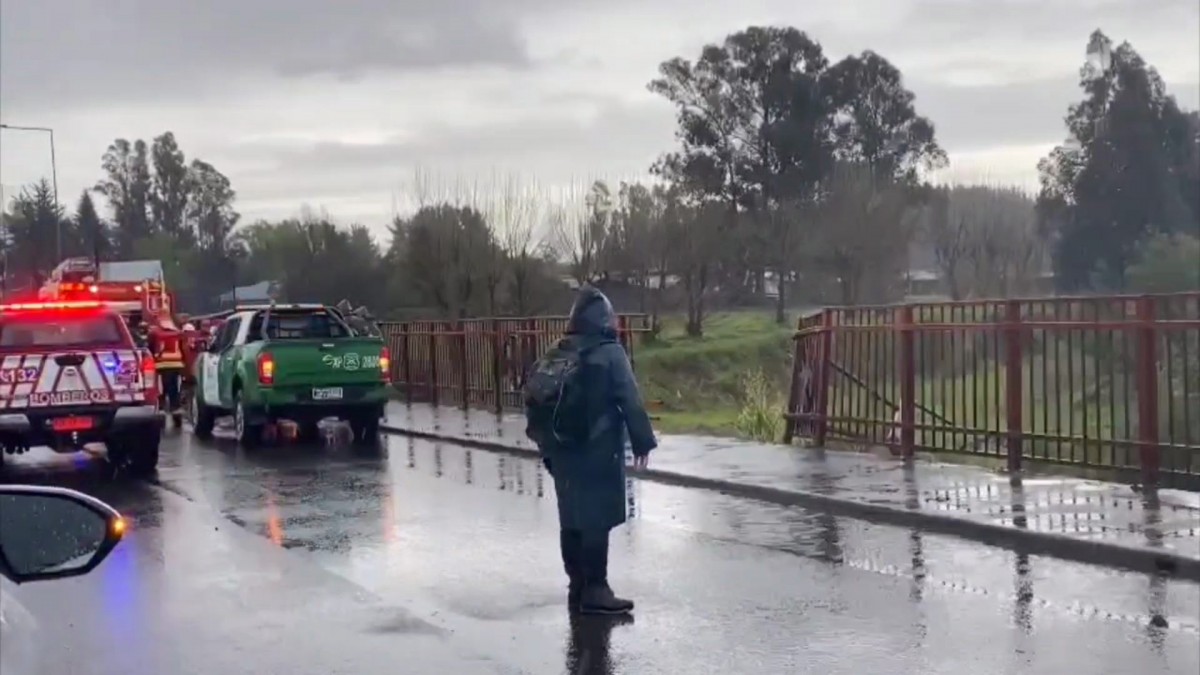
[(1110, 382), (476, 362)]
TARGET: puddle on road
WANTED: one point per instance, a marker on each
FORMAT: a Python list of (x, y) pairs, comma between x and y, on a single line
[(930, 563)]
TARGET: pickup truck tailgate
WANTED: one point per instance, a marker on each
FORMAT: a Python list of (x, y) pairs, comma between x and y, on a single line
[(75, 378), (321, 363)]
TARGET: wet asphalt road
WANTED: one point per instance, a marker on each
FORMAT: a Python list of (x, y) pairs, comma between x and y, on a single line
[(437, 559)]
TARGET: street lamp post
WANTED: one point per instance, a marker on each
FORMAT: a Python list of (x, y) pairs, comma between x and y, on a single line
[(53, 178), (4, 242)]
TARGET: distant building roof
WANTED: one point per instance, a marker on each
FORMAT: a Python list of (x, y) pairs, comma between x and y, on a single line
[(924, 275), (263, 291), (131, 270)]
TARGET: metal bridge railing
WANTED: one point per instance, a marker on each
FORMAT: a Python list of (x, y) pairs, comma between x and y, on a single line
[(1107, 382), (477, 362)]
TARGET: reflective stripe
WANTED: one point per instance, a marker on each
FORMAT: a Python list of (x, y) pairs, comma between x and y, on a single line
[(170, 348)]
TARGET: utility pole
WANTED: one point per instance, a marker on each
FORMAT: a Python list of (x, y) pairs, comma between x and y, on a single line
[(53, 176)]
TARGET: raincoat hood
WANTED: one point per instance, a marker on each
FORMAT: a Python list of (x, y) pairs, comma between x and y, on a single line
[(592, 314)]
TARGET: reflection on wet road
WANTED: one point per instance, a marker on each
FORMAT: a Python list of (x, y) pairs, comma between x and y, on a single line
[(436, 558)]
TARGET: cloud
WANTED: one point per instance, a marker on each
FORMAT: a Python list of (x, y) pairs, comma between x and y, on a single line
[(1025, 22), (971, 118), (608, 133), (613, 141), (85, 51), (1011, 41)]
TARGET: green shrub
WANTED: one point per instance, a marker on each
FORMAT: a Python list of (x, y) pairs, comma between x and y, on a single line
[(761, 415)]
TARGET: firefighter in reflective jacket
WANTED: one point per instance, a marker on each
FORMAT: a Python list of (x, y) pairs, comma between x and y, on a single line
[(193, 345), (166, 344)]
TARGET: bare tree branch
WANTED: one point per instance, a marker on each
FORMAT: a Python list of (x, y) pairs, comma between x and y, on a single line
[(985, 239), (579, 225), (865, 226)]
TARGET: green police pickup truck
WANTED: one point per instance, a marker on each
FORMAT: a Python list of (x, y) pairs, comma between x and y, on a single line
[(297, 362)]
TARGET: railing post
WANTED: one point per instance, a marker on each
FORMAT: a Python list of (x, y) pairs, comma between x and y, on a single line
[(789, 423), (631, 341), (463, 384), (1014, 387), (433, 362), (908, 383), (529, 351), (497, 377), (823, 385), (623, 335), (406, 361), (1149, 452)]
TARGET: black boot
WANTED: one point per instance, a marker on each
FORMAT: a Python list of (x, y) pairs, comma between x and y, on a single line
[(597, 597), (570, 542)]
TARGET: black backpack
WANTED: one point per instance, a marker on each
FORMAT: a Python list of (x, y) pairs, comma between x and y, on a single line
[(556, 396)]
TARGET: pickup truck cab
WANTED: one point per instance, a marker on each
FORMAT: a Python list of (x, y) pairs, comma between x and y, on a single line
[(297, 362)]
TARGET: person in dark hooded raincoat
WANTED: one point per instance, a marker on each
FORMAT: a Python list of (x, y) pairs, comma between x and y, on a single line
[(589, 481)]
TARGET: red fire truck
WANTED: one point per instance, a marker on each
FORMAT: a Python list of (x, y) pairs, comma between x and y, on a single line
[(140, 299), (129, 289)]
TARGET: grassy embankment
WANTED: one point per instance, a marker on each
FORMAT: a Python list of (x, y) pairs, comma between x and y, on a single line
[(705, 384)]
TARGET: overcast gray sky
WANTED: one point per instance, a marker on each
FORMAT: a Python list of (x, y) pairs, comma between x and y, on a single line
[(333, 103)]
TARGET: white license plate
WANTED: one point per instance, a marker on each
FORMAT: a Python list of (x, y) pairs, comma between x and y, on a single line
[(327, 393)]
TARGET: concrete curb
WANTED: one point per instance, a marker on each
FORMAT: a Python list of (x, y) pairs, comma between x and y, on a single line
[(1033, 542)]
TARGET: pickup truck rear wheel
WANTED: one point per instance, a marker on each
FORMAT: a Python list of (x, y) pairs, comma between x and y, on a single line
[(308, 431), (366, 430), (204, 417), (136, 450), (249, 435)]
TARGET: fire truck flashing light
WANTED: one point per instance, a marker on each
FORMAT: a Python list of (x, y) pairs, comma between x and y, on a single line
[(44, 306), (68, 287)]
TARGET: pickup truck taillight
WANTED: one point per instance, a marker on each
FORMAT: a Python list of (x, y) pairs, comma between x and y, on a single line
[(385, 364), (266, 369), (150, 379)]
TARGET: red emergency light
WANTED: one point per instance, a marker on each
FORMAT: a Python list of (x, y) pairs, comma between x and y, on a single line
[(68, 287), (40, 306)]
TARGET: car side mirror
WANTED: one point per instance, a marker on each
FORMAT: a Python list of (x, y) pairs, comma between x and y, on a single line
[(52, 533)]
